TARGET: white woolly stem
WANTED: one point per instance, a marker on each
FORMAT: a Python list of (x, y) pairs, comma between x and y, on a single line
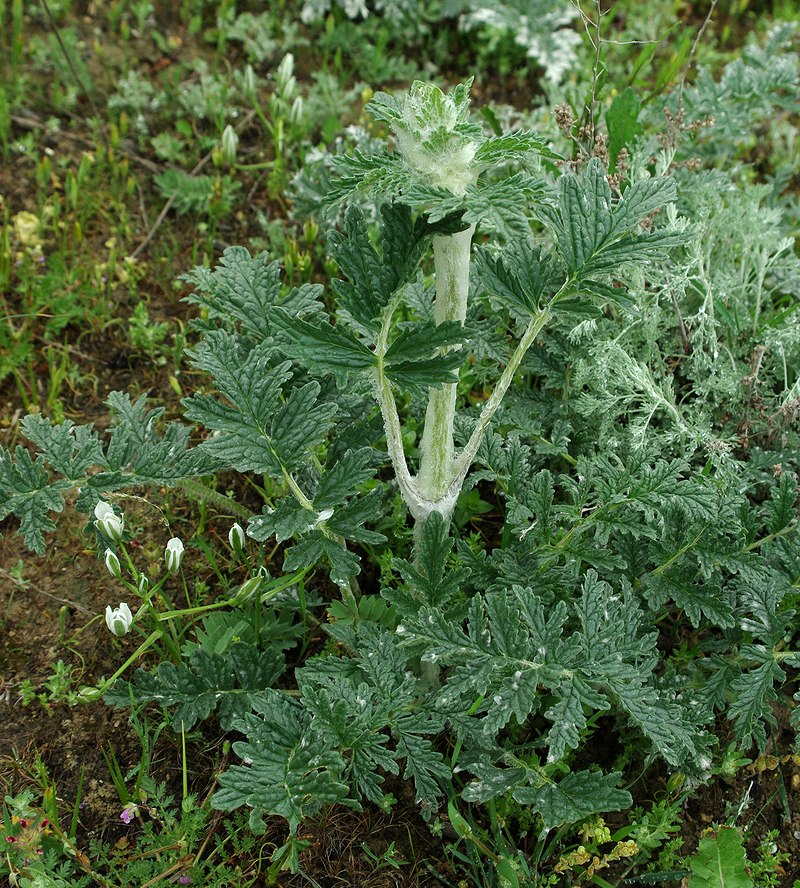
[(467, 455), (451, 255), (391, 423)]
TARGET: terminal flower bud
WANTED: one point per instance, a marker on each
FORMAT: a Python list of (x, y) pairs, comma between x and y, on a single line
[(323, 516), (113, 565), (247, 590), (284, 74), (249, 81), (229, 144), (296, 112), (88, 694), (173, 555), (119, 619), (236, 538)]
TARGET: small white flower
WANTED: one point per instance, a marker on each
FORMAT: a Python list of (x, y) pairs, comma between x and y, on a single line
[(110, 524), (143, 584), (236, 538), (173, 555), (113, 565), (119, 619)]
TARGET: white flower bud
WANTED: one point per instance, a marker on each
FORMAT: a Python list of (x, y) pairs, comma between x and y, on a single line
[(249, 81), (143, 584), (284, 71), (247, 590), (236, 538), (113, 565), (119, 619), (229, 144), (173, 555), (110, 524), (88, 694), (296, 112)]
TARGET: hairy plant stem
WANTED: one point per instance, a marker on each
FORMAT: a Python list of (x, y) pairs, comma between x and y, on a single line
[(467, 455), (441, 471), (219, 500), (451, 255), (391, 422)]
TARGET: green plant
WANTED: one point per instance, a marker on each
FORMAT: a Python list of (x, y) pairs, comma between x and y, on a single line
[(637, 577), (767, 870), (171, 841), (540, 30), (720, 860), (148, 336), (36, 850)]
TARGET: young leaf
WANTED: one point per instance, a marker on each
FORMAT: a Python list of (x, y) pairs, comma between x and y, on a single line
[(622, 121), (594, 236), (781, 508), (378, 172), (426, 373), (512, 146), (567, 715), (616, 655), (518, 277), (137, 453), (428, 576), (423, 763), (229, 682), (752, 708), (256, 433), (720, 861), (344, 477), (575, 797), (324, 348), (69, 449), (289, 771), (365, 294), (283, 521), (247, 288), (414, 359), (300, 425), (26, 491), (343, 564), (419, 341), (351, 718), (375, 275), (348, 520)]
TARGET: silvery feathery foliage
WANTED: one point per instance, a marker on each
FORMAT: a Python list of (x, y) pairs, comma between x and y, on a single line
[(750, 90), (395, 10), (542, 27)]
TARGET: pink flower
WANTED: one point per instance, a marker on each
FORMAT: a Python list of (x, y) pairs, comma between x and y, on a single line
[(185, 880), (128, 813)]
